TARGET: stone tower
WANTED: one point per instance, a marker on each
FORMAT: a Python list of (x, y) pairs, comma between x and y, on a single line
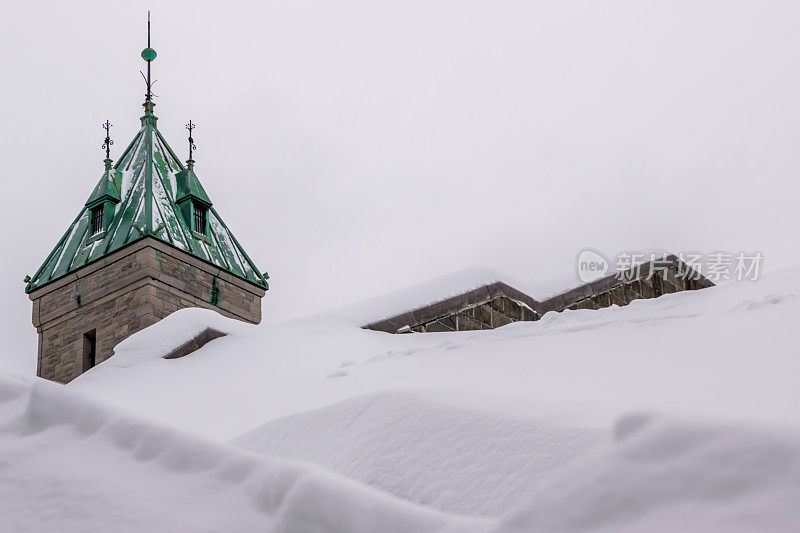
[(148, 242)]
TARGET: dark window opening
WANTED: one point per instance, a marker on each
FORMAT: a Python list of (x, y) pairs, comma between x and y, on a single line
[(192, 345), (89, 349), (97, 219), (200, 218)]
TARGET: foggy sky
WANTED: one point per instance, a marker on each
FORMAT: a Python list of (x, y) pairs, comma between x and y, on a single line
[(357, 147)]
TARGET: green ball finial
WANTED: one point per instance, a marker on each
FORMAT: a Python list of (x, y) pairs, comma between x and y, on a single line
[(148, 54)]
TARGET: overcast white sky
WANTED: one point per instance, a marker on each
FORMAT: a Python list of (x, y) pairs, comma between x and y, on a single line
[(355, 147)]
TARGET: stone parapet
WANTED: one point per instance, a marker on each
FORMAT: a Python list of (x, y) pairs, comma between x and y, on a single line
[(498, 304)]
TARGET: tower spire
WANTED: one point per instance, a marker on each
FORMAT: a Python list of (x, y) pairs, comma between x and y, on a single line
[(149, 95), (190, 126), (148, 54)]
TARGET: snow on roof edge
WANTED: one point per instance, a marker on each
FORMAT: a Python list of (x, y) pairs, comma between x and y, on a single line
[(418, 295)]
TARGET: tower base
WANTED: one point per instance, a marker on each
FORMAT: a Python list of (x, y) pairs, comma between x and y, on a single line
[(81, 317)]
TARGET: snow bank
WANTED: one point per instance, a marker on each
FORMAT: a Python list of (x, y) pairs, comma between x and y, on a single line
[(726, 354), (722, 353), (69, 464), (427, 450), (164, 336), (667, 476)]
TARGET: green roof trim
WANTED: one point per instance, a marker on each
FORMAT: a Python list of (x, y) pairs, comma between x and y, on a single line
[(143, 189)]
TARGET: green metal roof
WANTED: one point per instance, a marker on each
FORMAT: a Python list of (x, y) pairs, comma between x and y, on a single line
[(142, 190), (189, 186), (108, 187)]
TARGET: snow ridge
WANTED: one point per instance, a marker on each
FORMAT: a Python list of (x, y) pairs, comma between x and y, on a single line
[(70, 460), (426, 450)]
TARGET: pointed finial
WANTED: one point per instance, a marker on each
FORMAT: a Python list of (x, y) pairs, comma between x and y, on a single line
[(190, 126), (148, 54), (107, 143)]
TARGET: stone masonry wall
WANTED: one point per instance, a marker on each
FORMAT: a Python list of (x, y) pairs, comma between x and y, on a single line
[(499, 311), (124, 293)]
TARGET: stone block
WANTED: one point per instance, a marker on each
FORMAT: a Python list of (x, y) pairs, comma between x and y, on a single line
[(468, 323), (483, 313), (499, 319), (436, 326)]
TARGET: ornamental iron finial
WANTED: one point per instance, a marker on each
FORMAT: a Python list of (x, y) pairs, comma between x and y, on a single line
[(107, 143), (148, 54), (190, 126)]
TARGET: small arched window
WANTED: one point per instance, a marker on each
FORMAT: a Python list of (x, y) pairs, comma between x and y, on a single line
[(200, 218), (97, 219)]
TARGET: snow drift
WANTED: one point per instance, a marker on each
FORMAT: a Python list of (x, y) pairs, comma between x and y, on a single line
[(667, 476), (723, 353), (428, 450), (72, 465), (76, 466), (512, 426)]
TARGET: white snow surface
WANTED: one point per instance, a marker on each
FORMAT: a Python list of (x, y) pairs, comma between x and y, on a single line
[(667, 476), (68, 464), (426, 450), (419, 295), (674, 414), (726, 353)]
